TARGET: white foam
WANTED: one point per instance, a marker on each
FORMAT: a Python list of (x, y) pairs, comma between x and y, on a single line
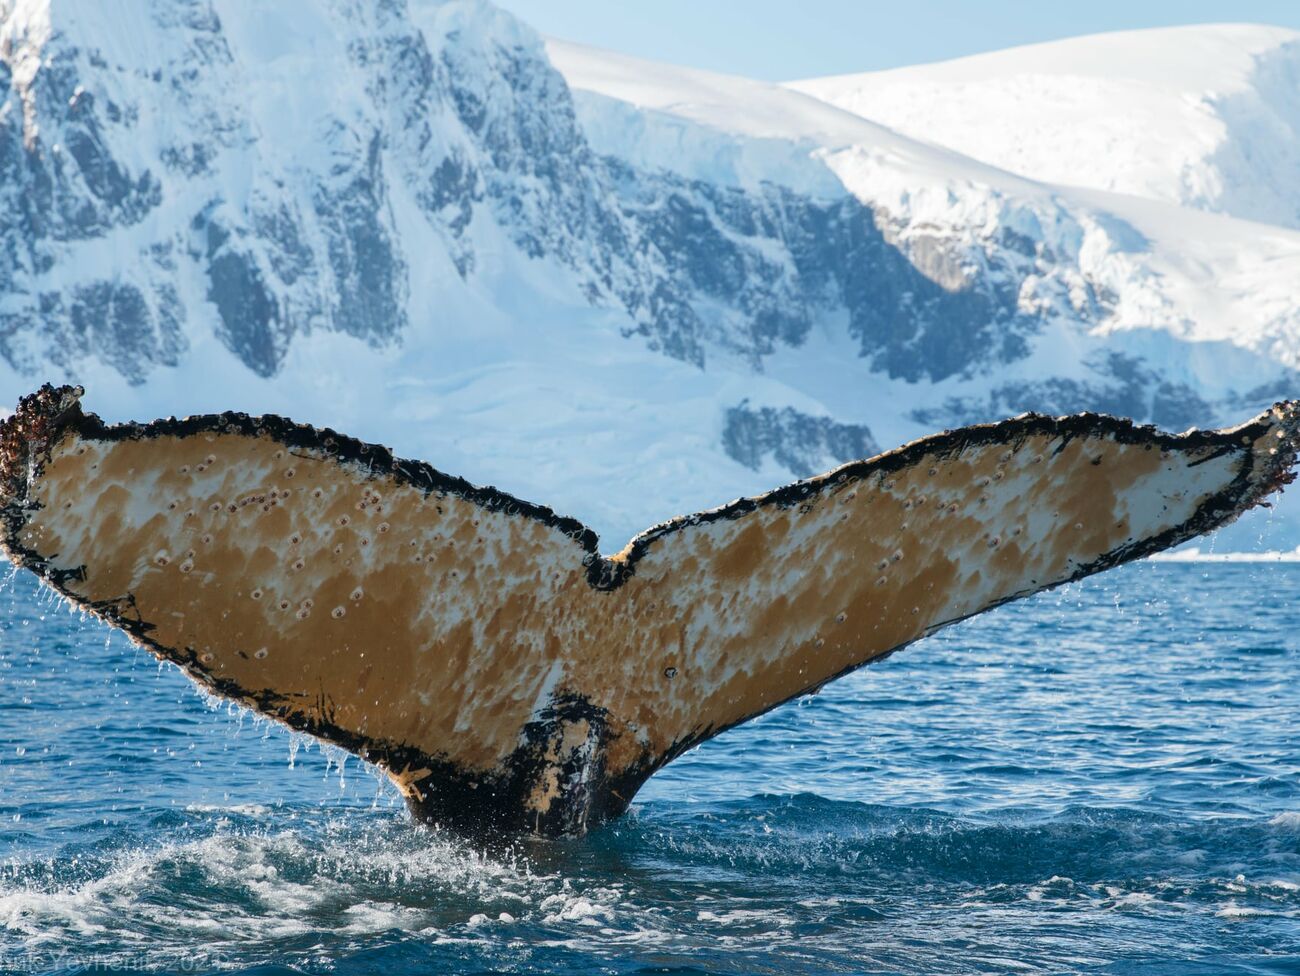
[(1193, 554), (1233, 910), (262, 887), (242, 809)]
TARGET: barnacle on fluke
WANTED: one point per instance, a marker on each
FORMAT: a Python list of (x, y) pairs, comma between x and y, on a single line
[(510, 677)]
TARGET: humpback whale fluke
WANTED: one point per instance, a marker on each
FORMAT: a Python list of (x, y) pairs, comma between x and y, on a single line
[(483, 652)]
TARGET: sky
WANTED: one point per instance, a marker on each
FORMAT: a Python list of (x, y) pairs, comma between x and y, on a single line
[(780, 40)]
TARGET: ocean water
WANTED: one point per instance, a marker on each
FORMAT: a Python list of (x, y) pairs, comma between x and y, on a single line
[(1102, 779)]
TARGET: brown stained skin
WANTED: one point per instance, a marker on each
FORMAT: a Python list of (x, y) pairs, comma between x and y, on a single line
[(425, 623)]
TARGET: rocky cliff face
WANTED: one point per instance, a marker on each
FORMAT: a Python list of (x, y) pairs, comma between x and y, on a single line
[(284, 225), (267, 172), (795, 441), (356, 212)]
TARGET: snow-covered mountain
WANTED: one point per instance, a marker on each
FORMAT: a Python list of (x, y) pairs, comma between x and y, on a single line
[(620, 288), (1205, 116)]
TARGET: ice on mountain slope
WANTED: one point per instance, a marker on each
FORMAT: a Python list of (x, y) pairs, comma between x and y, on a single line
[(1206, 116), (243, 181), (396, 219), (1203, 304)]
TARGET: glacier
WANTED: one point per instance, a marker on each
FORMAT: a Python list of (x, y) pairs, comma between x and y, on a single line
[(626, 289), (1205, 116)]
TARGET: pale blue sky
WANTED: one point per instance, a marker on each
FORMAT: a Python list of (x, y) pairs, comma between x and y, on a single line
[(786, 39)]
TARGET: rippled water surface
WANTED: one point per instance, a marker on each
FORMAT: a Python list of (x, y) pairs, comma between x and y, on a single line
[(1102, 779)]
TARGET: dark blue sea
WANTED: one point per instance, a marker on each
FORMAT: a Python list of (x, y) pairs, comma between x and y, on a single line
[(1103, 779)]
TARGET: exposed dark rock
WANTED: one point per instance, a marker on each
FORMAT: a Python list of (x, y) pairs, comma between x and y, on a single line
[(1125, 387), (798, 442), (369, 294), (249, 315)]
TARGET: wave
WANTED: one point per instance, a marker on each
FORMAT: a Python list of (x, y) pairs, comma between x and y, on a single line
[(792, 880), (1193, 554)]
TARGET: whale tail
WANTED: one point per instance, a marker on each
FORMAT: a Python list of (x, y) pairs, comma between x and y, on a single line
[(482, 651)]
